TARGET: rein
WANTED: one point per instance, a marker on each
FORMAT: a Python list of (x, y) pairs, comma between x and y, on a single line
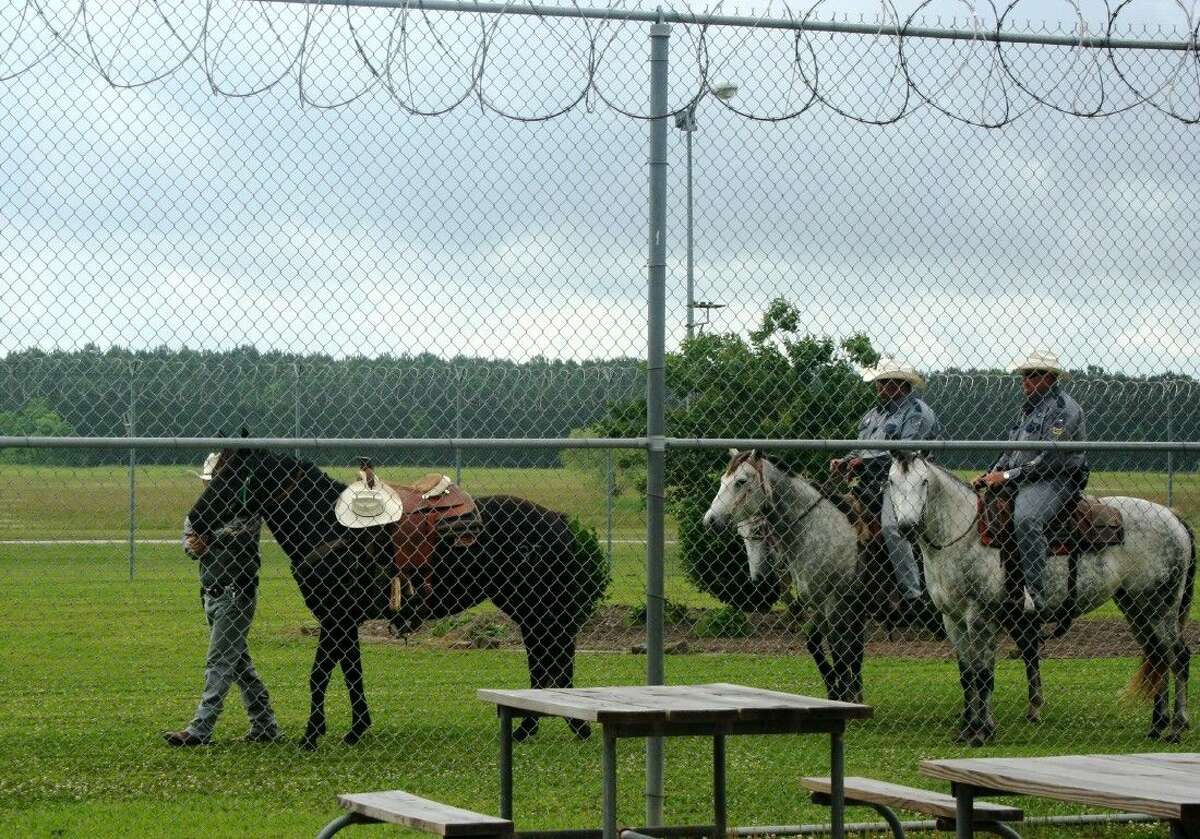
[(974, 525)]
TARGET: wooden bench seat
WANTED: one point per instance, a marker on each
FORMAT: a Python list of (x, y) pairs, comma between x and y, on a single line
[(882, 796), (408, 810)]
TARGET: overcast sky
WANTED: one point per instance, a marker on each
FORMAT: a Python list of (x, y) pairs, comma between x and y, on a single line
[(172, 215)]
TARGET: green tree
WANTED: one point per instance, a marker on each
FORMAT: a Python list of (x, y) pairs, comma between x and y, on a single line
[(779, 384), (34, 419)]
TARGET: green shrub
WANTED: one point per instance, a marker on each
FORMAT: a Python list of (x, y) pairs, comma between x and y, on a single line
[(726, 622)]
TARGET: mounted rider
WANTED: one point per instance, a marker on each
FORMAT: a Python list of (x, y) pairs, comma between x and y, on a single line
[(1042, 482), (898, 415)]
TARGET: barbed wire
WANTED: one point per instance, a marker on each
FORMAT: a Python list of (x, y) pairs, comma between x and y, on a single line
[(429, 63)]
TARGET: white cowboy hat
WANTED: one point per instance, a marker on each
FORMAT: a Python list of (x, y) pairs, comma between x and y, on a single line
[(890, 368), (1039, 360), (361, 505), (210, 466)]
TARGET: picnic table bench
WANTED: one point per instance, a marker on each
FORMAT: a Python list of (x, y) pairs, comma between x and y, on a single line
[(883, 797), (408, 810)]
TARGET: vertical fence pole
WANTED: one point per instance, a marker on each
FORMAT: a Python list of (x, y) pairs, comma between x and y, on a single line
[(129, 420), (296, 398), (458, 425), (609, 488), (1171, 455), (660, 34)]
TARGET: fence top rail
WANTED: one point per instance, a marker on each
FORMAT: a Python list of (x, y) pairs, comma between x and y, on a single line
[(655, 443), (804, 23)]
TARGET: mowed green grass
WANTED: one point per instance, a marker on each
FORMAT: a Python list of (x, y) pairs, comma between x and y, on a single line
[(94, 665)]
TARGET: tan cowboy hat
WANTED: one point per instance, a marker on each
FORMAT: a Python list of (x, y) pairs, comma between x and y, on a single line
[(210, 466), (364, 504), (890, 368), (1039, 360)]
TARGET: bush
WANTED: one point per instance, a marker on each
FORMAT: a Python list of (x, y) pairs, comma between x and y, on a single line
[(726, 622), (594, 572), (673, 613), (778, 384)]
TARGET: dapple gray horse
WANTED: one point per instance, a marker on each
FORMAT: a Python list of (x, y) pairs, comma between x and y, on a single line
[(1150, 577), (790, 528)]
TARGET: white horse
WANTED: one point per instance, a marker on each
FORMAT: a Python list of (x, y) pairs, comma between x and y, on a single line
[(1149, 576), (790, 528)]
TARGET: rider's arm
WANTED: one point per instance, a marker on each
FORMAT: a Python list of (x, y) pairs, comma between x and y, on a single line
[(1062, 424)]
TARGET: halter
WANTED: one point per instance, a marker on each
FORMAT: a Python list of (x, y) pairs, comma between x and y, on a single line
[(972, 526), (762, 526)]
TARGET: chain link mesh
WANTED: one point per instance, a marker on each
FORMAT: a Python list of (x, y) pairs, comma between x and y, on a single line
[(315, 223)]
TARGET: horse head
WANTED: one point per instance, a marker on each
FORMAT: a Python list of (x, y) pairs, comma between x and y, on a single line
[(742, 500), (908, 486), (245, 483)]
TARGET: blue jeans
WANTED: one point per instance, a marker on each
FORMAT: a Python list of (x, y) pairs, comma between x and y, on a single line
[(1036, 504), (904, 563), (229, 616)]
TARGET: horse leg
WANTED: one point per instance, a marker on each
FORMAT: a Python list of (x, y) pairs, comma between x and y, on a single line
[(1180, 666), (984, 642), (352, 672), (550, 652), (846, 650), (1153, 675), (956, 632), (814, 641), (858, 651), (1027, 635), (318, 681)]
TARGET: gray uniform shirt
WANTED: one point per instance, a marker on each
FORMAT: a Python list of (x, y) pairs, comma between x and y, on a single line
[(233, 555), (906, 418), (1053, 416)]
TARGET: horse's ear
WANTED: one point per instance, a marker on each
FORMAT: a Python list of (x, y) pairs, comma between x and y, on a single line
[(755, 454), (733, 452)]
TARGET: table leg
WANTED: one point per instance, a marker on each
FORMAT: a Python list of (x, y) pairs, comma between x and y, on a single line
[(506, 763), (608, 769), (837, 784), (964, 811), (720, 817)]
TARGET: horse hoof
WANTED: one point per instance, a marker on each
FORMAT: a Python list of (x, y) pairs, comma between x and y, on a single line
[(1034, 715), (1175, 735), (309, 744), (963, 736), (979, 738), (582, 730), (527, 728), (1155, 733), (353, 736)]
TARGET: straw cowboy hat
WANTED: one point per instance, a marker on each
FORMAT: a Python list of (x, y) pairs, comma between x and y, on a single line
[(210, 466), (1039, 360), (890, 368), (368, 502)]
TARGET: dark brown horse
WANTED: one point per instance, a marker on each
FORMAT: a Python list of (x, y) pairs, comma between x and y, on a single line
[(526, 560)]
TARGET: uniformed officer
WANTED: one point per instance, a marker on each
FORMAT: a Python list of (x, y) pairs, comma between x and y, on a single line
[(1044, 480), (898, 415)]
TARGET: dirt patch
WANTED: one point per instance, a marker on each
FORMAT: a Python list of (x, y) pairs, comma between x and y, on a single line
[(613, 629)]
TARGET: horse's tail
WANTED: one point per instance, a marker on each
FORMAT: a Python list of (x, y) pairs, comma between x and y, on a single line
[(1189, 578)]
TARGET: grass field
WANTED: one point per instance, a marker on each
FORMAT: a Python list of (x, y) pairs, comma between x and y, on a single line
[(94, 665)]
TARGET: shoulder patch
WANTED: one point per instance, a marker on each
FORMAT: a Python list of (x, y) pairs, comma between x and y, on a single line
[(1058, 427)]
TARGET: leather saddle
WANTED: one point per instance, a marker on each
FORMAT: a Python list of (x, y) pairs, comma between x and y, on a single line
[(435, 509), (1082, 526)]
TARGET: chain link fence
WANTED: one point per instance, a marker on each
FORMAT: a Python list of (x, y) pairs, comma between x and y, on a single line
[(425, 228)]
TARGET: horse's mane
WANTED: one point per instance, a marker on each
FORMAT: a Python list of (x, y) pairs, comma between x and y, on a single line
[(960, 481)]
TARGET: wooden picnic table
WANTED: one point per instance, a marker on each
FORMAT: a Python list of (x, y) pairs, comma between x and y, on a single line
[(713, 710), (1166, 786)]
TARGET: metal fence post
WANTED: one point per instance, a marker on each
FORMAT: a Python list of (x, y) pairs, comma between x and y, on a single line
[(660, 34), (609, 488), (1170, 454), (129, 421), (458, 376), (296, 399)]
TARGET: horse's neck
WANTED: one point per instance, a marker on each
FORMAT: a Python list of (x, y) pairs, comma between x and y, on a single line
[(793, 502), (949, 512), (304, 518)]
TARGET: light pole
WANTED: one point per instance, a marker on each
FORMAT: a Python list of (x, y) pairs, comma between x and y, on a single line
[(685, 121)]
